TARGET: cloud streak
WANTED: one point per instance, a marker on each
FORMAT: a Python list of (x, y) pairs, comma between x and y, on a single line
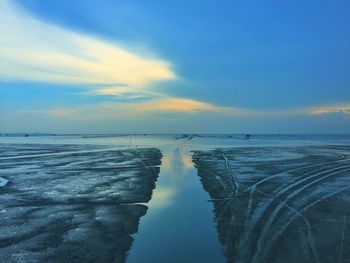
[(157, 106), (161, 106), (338, 109), (32, 50), (151, 107)]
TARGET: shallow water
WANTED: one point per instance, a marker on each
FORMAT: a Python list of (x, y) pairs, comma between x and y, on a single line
[(178, 226)]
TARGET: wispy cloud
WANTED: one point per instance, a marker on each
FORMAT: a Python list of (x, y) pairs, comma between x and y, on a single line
[(123, 92), (131, 109), (55, 112), (171, 105), (115, 91), (158, 107), (34, 50), (337, 109)]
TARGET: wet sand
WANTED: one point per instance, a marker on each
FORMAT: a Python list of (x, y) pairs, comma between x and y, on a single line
[(280, 204), (82, 205)]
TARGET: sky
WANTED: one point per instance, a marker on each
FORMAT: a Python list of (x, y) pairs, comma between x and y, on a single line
[(92, 66)]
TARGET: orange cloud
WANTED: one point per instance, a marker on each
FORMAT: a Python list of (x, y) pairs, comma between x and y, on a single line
[(342, 109), (136, 109), (174, 104), (164, 105)]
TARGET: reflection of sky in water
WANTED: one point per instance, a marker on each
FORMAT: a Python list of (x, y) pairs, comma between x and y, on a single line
[(178, 226), (176, 166)]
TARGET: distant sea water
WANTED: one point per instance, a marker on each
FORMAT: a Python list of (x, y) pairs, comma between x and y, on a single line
[(224, 138)]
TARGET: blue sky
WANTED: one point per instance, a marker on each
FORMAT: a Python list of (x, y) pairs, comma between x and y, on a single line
[(175, 66)]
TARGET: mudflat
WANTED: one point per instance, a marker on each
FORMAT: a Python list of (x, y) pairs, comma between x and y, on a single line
[(280, 204), (271, 199), (67, 203)]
